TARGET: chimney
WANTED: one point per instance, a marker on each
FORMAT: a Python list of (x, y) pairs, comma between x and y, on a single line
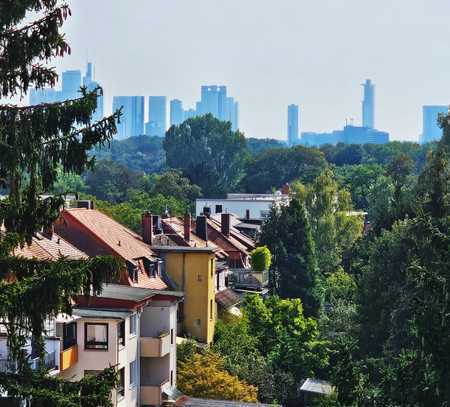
[(225, 224), (187, 227), (201, 227), (286, 189), (157, 226), (147, 228)]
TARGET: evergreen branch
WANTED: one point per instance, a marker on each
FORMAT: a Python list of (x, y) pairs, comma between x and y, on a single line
[(98, 91), (61, 13)]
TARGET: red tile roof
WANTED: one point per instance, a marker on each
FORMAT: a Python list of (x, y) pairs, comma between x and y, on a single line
[(45, 247), (120, 240)]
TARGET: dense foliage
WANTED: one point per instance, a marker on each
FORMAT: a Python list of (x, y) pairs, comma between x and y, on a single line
[(287, 234), (208, 152), (261, 258), (202, 374), (35, 143), (274, 346), (274, 168)]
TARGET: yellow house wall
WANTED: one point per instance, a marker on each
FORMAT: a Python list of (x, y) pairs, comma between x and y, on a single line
[(194, 273)]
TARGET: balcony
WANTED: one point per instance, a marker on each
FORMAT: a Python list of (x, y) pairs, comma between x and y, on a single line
[(246, 279), (68, 358), (155, 347), (151, 394)]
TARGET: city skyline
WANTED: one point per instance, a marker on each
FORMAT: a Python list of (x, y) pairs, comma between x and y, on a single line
[(315, 65)]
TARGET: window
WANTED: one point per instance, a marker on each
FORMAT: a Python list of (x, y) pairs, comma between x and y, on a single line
[(121, 384), (212, 267), (133, 373), (211, 309), (247, 214), (69, 335), (96, 336), (171, 336), (171, 377), (218, 208), (133, 324), (121, 333), (199, 278)]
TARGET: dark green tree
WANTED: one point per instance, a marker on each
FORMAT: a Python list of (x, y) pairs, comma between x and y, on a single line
[(208, 152), (110, 181), (274, 168), (288, 236), (36, 141)]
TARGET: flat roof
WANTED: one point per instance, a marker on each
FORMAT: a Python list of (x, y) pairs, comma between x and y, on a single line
[(123, 292), (186, 249)]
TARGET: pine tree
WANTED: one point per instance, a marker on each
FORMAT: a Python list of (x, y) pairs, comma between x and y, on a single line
[(34, 142), (287, 234)]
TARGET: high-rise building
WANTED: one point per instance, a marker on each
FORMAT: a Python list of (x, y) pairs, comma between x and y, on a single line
[(232, 113), (431, 129), (71, 84), (214, 101), (368, 105), (176, 112), (70, 89), (132, 119), (157, 116), (91, 84), (293, 125)]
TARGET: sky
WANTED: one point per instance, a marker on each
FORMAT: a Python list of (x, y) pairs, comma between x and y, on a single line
[(271, 53)]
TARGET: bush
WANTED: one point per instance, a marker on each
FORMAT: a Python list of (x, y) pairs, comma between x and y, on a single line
[(261, 258)]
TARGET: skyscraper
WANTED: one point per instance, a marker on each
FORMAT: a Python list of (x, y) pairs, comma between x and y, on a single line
[(176, 112), (157, 116), (368, 105), (232, 113), (293, 125), (71, 84), (431, 129), (214, 101), (132, 120), (91, 84)]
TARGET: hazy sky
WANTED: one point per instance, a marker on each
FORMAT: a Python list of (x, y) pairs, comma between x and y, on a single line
[(271, 53)]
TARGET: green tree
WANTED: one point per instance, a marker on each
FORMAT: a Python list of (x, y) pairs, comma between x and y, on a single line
[(287, 234), (335, 226), (68, 183), (110, 181), (276, 167), (261, 258), (208, 152), (287, 339), (360, 181), (34, 142)]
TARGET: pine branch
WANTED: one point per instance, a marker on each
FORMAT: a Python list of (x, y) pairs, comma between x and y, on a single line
[(61, 13)]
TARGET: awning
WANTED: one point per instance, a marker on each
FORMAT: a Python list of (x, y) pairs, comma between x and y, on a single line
[(227, 298)]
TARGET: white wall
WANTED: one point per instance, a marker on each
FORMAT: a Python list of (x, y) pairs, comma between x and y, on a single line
[(236, 207)]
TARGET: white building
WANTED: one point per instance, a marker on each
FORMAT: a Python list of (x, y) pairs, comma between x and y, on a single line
[(244, 206)]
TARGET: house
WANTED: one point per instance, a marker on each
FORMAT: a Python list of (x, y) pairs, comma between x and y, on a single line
[(96, 234), (245, 206), (193, 271), (131, 328)]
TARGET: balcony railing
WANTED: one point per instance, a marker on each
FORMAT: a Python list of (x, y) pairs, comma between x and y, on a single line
[(68, 358), (151, 394), (155, 347), (249, 279), (50, 363)]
